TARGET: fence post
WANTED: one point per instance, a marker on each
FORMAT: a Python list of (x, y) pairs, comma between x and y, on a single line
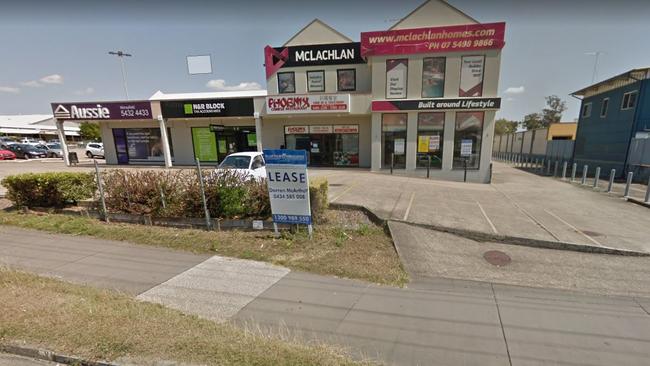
[(597, 177), (548, 167), (162, 197), (647, 192), (100, 186), (208, 222), (585, 169), (392, 162), (428, 165), (574, 167), (630, 175), (612, 173), (564, 166), (555, 169)]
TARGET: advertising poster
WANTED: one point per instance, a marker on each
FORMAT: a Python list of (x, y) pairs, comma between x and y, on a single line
[(205, 144), (316, 81), (286, 82), (396, 75), (399, 147), (471, 76), (466, 147), (433, 77), (144, 143), (434, 143), (347, 80), (423, 144), (288, 183)]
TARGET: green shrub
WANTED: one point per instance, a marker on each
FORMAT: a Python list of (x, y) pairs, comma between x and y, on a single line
[(49, 189), (318, 190)]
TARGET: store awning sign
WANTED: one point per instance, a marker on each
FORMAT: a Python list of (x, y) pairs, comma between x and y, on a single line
[(318, 103), (288, 184), (196, 108), (454, 38), (101, 111), (436, 104), (311, 55)]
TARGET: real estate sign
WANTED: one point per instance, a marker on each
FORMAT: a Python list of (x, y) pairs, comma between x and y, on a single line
[(288, 183)]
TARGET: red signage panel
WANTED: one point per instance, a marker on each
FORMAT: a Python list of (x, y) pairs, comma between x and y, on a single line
[(436, 39)]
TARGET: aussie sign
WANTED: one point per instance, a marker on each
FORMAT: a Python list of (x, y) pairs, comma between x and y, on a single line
[(286, 173), (311, 55), (436, 104), (437, 39), (317, 103), (102, 111)]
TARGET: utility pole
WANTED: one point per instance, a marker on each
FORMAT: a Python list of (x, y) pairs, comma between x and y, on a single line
[(121, 55), (597, 54)]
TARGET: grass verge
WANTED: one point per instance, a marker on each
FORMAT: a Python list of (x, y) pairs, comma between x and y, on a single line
[(103, 325), (347, 245)]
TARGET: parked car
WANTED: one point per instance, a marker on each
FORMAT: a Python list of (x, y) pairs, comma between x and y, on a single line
[(31, 141), (6, 154), (95, 149), (249, 164), (53, 150), (25, 151)]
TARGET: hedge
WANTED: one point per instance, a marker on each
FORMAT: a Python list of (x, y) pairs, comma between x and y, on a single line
[(49, 189)]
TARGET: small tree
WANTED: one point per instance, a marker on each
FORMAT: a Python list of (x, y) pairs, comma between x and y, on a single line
[(89, 131), (533, 121), (503, 127), (553, 111)]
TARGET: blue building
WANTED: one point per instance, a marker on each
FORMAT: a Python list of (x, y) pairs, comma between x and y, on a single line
[(614, 125)]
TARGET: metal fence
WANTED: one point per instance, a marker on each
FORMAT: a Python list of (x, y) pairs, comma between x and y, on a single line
[(639, 159)]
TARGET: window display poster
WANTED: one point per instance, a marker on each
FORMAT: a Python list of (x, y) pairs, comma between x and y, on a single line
[(466, 147), (471, 76), (399, 146), (396, 75), (433, 77), (316, 81), (205, 144), (286, 82), (144, 143), (434, 143), (252, 139), (423, 144), (346, 80)]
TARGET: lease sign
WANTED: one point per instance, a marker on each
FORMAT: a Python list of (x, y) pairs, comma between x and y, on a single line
[(286, 173), (436, 39)]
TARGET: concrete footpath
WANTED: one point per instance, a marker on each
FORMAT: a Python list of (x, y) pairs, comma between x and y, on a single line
[(517, 204), (434, 321)]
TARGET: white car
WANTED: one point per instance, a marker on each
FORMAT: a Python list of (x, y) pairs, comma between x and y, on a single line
[(249, 164), (94, 149)]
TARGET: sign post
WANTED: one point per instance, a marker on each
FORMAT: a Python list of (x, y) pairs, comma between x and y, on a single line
[(465, 153), (288, 185)]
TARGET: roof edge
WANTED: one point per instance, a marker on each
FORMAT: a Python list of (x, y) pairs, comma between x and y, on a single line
[(316, 20), (426, 2)]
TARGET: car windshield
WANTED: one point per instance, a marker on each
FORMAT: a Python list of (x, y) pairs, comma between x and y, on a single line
[(54, 146), (235, 162)]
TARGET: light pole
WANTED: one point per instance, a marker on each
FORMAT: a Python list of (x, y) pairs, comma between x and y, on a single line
[(121, 55)]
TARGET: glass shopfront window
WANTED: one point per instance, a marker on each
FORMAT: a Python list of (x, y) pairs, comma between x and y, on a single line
[(467, 139), (326, 145), (140, 144), (393, 139), (431, 127)]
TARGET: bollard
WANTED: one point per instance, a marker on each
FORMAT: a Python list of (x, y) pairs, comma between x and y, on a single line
[(585, 169), (630, 175), (597, 177), (564, 166), (612, 173), (647, 192), (548, 167), (536, 164), (392, 162), (555, 169), (428, 165), (574, 167)]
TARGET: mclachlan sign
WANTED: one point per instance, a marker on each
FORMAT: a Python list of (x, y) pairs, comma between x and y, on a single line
[(312, 55)]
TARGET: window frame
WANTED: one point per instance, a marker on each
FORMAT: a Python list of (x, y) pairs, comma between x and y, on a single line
[(457, 145), (444, 79), (586, 107), (294, 82), (629, 94), (322, 71), (604, 107), (354, 72)]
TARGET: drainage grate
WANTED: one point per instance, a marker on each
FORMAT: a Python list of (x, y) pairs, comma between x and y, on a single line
[(497, 258)]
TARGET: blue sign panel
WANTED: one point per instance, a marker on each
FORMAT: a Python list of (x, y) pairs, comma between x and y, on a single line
[(286, 173), (291, 157)]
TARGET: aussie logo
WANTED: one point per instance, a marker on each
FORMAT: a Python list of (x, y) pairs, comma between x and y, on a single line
[(97, 112)]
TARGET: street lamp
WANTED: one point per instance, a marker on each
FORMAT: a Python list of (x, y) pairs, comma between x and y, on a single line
[(121, 55)]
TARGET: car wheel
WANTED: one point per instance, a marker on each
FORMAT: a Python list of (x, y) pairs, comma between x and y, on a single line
[(89, 154)]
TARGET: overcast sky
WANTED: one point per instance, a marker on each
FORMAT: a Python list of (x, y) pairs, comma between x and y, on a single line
[(57, 50)]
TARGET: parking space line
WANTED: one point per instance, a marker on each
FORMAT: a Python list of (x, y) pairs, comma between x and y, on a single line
[(352, 185), (573, 228), (494, 229), (408, 209)]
